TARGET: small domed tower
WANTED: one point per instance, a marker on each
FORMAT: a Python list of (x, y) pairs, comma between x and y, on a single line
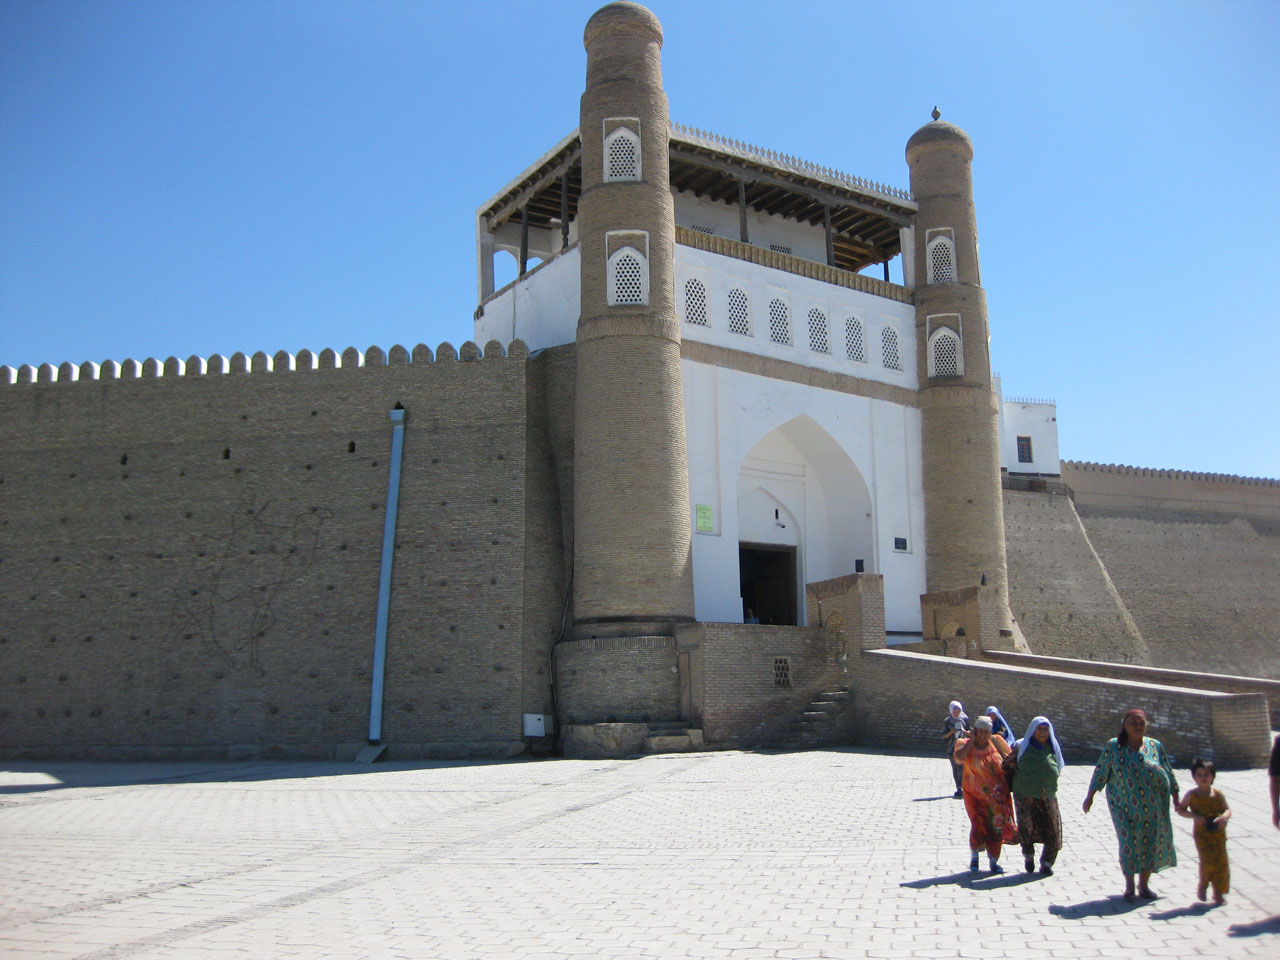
[(964, 513), (632, 532)]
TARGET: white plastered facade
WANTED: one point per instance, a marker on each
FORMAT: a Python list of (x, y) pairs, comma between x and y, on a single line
[(842, 471)]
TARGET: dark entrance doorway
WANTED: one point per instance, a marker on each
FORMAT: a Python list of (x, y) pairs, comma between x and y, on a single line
[(767, 578)]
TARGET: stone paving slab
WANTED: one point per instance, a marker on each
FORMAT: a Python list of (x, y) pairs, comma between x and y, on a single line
[(842, 853)]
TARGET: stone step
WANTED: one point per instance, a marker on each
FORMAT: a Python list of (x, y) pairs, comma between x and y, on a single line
[(675, 744)]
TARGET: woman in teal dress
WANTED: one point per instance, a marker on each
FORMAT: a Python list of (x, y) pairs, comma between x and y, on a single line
[(1140, 787)]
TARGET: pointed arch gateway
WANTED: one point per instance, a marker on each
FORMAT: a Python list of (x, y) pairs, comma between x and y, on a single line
[(804, 514)]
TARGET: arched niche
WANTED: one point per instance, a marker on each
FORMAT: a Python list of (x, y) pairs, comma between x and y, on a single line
[(799, 490)]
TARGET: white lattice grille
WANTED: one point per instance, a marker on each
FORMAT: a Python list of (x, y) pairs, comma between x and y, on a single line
[(628, 279), (695, 303), (855, 342), (941, 261), (622, 156), (701, 229), (779, 322), (739, 313), (779, 248), (946, 356), (889, 348), (818, 341)]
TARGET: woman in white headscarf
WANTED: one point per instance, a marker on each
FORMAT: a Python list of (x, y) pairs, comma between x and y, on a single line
[(956, 725), (1035, 794)]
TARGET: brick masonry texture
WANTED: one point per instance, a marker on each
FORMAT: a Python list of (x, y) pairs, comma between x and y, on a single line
[(1203, 594), (189, 565), (736, 696), (1169, 678), (901, 700), (618, 679), (1060, 593), (1108, 485), (632, 537)]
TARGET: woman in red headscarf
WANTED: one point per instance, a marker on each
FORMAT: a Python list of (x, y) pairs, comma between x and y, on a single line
[(1140, 787)]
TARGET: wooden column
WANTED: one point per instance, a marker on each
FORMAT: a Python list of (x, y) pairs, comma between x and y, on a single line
[(524, 239), (826, 225), (564, 209), (742, 212)]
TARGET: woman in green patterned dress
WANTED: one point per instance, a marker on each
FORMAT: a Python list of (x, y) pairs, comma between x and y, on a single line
[(1140, 787)]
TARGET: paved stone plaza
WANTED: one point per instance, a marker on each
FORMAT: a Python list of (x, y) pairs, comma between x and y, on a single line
[(836, 853)]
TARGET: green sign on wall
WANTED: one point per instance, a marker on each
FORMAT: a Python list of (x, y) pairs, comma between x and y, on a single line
[(706, 523)]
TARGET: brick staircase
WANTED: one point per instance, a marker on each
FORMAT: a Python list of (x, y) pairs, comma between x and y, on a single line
[(824, 722)]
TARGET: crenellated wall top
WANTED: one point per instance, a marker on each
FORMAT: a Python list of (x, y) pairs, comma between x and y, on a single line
[(1128, 471), (280, 362)]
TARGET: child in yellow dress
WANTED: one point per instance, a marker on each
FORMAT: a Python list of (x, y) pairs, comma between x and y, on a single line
[(1207, 806)]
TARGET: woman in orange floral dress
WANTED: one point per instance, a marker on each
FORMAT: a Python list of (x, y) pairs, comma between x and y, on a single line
[(986, 793)]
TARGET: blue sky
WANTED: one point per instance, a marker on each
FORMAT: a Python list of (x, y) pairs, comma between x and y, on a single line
[(182, 177)]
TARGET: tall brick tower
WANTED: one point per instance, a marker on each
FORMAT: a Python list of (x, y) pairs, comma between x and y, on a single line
[(964, 514), (632, 532)]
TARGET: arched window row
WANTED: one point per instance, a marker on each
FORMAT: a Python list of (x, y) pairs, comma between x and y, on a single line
[(735, 313)]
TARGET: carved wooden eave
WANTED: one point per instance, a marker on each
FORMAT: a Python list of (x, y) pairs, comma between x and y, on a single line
[(865, 218)]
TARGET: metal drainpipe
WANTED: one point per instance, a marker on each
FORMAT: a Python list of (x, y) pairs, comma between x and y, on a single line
[(384, 577)]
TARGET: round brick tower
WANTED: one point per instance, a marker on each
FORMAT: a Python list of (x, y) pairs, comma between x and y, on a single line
[(964, 513), (632, 572)]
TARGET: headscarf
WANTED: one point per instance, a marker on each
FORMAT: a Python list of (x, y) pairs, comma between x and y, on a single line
[(1007, 725), (1053, 741), (954, 704)]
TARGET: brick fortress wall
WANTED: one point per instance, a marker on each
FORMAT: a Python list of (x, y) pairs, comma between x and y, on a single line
[(1196, 558), (901, 700), (189, 563), (1059, 590)]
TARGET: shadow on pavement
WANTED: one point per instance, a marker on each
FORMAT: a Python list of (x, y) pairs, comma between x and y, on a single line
[(1268, 925), (1194, 910), (945, 796), (45, 776), (1106, 907), (974, 881)]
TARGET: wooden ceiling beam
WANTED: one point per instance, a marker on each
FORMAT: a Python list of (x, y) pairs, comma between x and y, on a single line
[(550, 176), (765, 178)]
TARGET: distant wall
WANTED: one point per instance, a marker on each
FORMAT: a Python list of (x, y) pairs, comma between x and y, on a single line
[(1169, 678), (1109, 485), (1196, 558), (1204, 595), (189, 560), (901, 700), (1060, 593)]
